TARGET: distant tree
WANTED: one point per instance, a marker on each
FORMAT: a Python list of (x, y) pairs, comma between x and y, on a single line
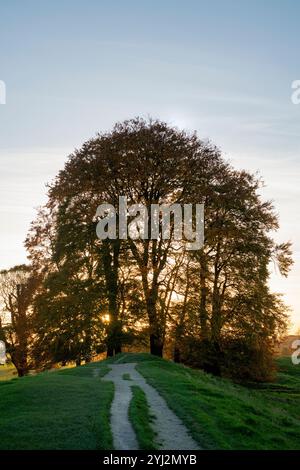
[(18, 287)]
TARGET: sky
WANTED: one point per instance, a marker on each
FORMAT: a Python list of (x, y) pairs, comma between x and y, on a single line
[(221, 67)]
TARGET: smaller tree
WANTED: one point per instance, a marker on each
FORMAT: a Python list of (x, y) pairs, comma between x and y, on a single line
[(18, 286)]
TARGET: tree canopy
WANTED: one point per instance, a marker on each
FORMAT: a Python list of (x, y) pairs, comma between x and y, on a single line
[(103, 294)]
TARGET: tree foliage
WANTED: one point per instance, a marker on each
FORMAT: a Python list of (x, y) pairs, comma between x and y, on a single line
[(104, 293)]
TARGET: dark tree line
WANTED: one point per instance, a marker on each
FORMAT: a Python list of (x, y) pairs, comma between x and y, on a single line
[(206, 305)]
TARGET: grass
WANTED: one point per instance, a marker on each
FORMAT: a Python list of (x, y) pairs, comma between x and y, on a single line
[(126, 376), (67, 409), (125, 358), (141, 419), (222, 415), (7, 372), (70, 408)]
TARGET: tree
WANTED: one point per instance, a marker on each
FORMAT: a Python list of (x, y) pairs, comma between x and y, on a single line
[(68, 324), (18, 287), (218, 292), (235, 303), (149, 163)]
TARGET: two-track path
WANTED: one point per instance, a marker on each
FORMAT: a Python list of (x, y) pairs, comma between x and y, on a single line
[(171, 432)]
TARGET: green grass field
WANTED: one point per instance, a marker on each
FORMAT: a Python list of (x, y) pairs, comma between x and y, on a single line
[(222, 415), (67, 409), (70, 408)]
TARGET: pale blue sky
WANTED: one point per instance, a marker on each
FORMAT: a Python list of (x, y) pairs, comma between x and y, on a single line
[(223, 68)]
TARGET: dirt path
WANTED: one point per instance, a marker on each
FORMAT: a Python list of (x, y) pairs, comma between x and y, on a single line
[(171, 432)]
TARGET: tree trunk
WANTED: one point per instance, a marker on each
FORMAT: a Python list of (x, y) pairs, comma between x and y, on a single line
[(19, 360), (114, 338), (203, 316), (216, 316), (156, 345), (179, 330), (156, 337), (110, 351), (111, 251), (176, 354)]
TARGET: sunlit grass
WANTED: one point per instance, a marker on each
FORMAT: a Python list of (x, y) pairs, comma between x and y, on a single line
[(141, 419), (7, 372)]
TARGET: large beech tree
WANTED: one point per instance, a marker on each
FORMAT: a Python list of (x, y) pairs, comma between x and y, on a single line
[(149, 163), (219, 290)]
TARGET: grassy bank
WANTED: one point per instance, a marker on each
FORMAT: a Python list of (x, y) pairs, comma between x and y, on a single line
[(222, 415), (70, 408), (66, 409)]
